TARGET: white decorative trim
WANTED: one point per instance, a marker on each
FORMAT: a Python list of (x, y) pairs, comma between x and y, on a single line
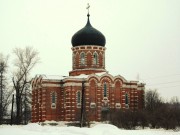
[(99, 84), (129, 86), (66, 84), (51, 85), (72, 84), (92, 105), (101, 69), (86, 47), (78, 105), (53, 105), (105, 99), (141, 88), (112, 85), (118, 105)]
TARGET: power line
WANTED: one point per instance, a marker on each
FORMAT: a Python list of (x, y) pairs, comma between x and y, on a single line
[(163, 83), (161, 76), (170, 86)]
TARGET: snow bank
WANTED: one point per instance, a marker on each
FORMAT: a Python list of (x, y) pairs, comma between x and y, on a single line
[(99, 129), (105, 126)]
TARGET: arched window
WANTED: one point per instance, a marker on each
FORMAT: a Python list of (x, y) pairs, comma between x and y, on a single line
[(126, 99), (82, 58), (95, 59), (78, 97), (105, 90), (53, 98)]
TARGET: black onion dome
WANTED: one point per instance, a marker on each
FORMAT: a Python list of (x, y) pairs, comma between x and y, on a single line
[(88, 36)]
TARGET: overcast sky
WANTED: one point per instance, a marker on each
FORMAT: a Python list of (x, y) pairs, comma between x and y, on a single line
[(142, 36)]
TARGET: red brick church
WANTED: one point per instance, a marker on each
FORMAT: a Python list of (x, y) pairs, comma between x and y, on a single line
[(60, 98)]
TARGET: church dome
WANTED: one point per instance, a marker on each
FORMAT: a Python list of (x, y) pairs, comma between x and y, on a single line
[(88, 36)]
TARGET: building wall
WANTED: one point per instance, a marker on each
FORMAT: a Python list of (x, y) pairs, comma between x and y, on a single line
[(67, 107)]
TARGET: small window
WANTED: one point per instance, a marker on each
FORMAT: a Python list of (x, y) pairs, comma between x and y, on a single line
[(82, 58), (126, 99), (53, 97), (105, 89), (78, 99), (95, 59), (53, 100)]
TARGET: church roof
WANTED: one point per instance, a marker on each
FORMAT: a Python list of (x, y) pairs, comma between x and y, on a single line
[(78, 77), (59, 77), (88, 36)]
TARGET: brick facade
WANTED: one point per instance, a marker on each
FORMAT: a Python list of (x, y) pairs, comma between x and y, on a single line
[(88, 59), (67, 107)]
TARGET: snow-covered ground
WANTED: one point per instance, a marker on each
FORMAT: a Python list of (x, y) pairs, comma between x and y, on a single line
[(99, 129)]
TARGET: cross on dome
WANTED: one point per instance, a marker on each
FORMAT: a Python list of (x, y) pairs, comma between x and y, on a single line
[(88, 6)]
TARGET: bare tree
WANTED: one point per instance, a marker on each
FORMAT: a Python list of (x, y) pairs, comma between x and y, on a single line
[(152, 104), (152, 100), (175, 101), (4, 94), (25, 60), (176, 110), (26, 104), (157, 114), (2, 67)]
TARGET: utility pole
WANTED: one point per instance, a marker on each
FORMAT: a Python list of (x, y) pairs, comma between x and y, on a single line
[(82, 105)]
